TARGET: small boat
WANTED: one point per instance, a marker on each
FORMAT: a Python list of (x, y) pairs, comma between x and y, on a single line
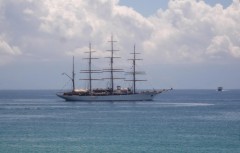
[(220, 89), (110, 93)]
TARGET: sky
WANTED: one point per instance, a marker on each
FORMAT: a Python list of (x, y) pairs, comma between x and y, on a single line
[(148, 9), (185, 44)]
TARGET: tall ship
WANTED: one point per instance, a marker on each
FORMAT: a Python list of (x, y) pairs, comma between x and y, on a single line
[(112, 92)]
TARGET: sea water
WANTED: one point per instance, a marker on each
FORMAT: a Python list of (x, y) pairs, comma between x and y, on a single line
[(178, 121)]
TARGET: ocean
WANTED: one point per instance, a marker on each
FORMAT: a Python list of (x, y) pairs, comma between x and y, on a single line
[(178, 121)]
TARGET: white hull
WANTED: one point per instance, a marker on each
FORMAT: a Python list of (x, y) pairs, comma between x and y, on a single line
[(145, 96)]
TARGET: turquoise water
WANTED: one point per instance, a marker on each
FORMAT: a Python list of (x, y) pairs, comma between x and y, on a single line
[(179, 121)]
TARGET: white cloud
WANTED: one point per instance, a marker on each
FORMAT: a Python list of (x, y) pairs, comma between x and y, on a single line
[(7, 51), (222, 46), (94, 20), (188, 31)]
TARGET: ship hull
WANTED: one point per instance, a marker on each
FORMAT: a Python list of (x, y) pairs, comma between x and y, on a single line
[(130, 97)]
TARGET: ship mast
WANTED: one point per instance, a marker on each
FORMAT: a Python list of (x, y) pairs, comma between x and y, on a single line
[(72, 78), (111, 63), (134, 72), (112, 70), (90, 71)]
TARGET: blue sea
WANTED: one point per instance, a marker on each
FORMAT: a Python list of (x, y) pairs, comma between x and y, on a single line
[(178, 121)]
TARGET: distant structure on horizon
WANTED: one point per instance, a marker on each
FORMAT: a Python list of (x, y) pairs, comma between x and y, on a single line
[(220, 89)]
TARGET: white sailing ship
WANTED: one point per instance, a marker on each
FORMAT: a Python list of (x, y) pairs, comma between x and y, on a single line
[(109, 93)]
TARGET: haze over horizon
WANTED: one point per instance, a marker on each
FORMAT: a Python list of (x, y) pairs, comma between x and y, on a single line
[(185, 44)]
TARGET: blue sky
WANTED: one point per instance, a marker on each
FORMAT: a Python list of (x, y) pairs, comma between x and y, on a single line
[(147, 8), (185, 44)]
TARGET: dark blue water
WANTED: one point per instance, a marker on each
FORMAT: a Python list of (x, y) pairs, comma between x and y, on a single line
[(179, 121)]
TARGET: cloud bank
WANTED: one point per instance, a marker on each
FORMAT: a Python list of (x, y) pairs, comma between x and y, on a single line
[(196, 32), (189, 31)]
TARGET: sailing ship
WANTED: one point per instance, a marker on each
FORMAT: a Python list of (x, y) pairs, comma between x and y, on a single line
[(109, 93)]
